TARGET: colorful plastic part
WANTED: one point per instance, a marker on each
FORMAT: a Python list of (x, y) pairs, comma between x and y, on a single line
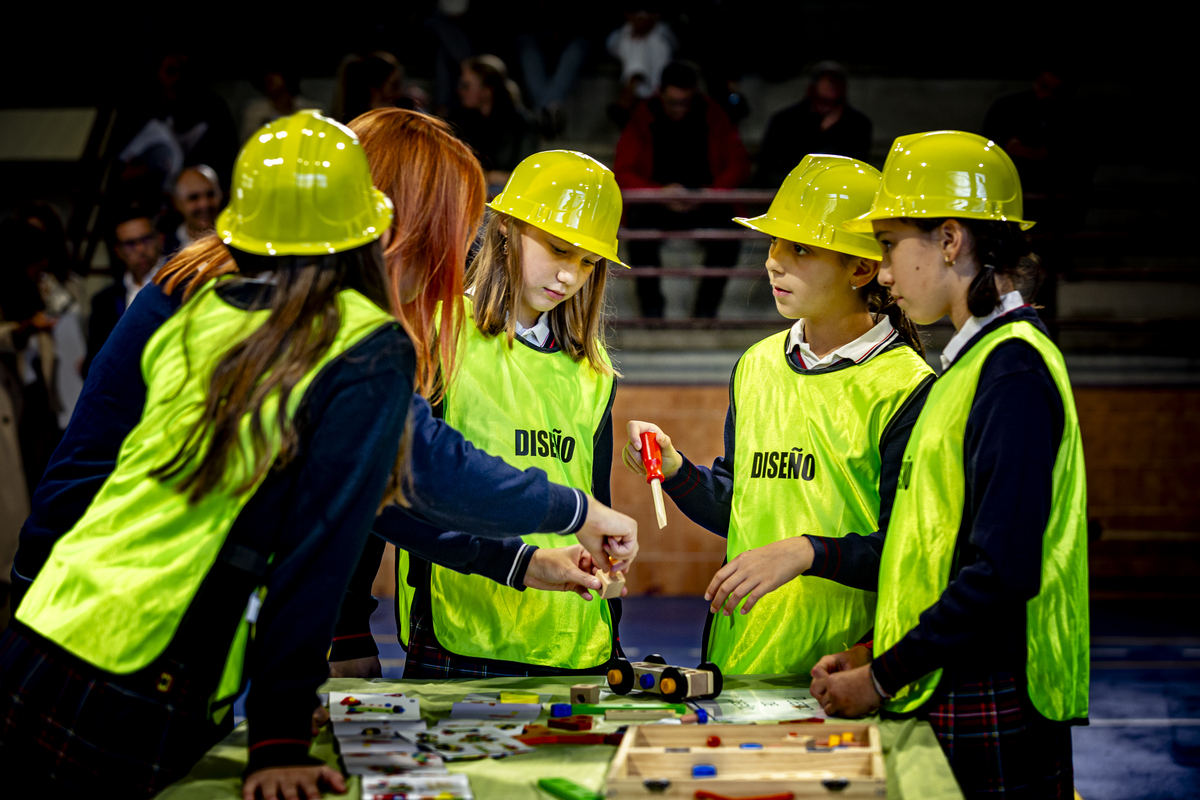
[(567, 790), (580, 722)]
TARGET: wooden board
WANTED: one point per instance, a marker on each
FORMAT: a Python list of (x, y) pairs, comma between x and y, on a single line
[(655, 753)]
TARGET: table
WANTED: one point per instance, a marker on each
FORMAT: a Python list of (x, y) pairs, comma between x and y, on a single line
[(916, 766)]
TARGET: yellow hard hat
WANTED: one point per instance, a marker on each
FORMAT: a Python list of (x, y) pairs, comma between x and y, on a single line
[(816, 200), (947, 174), (301, 186), (568, 194)]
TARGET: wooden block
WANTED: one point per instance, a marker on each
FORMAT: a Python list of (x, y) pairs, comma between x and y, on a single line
[(638, 714), (611, 585), (579, 722), (585, 693)]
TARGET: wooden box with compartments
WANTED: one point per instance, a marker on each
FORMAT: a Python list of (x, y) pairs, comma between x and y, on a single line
[(739, 761)]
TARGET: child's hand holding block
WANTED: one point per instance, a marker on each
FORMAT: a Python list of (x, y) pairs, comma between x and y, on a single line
[(611, 585)]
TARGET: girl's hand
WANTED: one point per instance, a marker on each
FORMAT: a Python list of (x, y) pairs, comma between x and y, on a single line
[(758, 572), (846, 694), (292, 783), (319, 718), (631, 454), (844, 661), (609, 537), (562, 569)]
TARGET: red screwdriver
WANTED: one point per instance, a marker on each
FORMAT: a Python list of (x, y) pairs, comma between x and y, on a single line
[(652, 460)]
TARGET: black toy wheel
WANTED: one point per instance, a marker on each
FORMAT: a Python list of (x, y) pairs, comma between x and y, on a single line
[(654, 658), (718, 680), (673, 679), (620, 676)]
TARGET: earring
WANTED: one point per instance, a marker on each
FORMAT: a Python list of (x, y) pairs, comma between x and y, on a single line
[(504, 245), (852, 286), (950, 262)]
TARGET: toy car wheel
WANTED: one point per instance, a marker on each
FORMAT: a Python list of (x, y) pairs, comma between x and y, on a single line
[(654, 658), (620, 676), (718, 680), (674, 681)]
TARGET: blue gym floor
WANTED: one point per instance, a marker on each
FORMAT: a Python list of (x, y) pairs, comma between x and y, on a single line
[(1144, 740)]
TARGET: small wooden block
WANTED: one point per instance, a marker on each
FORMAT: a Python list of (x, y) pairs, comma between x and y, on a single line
[(611, 585), (580, 722), (639, 714), (585, 693)]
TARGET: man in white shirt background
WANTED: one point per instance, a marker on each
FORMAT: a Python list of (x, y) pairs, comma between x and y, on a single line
[(198, 199), (138, 247)]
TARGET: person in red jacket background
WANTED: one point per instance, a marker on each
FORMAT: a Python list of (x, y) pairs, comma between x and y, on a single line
[(680, 138)]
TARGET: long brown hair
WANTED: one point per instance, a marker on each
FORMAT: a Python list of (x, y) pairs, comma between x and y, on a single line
[(438, 190), (495, 276), (303, 321)]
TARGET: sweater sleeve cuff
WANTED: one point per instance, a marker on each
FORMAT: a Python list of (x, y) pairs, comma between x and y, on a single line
[(567, 512), (521, 566), (893, 671), (279, 753), (682, 480), (820, 564), (352, 638)]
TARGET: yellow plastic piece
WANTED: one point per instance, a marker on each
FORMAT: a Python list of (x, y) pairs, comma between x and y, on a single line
[(947, 174), (667, 685), (614, 677), (834, 740), (817, 200), (568, 194), (519, 697), (847, 737), (301, 186)]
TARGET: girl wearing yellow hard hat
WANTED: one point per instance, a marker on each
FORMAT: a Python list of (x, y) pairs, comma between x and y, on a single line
[(245, 485), (535, 386), (819, 416), (982, 619)]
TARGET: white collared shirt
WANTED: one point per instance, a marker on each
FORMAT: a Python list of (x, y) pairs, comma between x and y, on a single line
[(1008, 302), (538, 335), (132, 288), (864, 347)]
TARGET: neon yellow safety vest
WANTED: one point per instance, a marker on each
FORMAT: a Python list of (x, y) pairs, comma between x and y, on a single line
[(115, 588), (923, 531), (534, 409), (808, 461)]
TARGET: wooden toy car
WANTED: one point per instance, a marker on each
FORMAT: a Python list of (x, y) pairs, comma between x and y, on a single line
[(676, 684)]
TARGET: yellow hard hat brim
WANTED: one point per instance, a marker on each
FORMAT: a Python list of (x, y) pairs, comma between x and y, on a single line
[(606, 251), (863, 224), (382, 214), (792, 233)]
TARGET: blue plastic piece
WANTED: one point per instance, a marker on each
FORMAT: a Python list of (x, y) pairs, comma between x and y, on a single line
[(646, 681), (751, 746), (704, 771), (701, 716), (560, 710)]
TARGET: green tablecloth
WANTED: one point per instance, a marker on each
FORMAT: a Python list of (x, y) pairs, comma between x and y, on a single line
[(916, 767)]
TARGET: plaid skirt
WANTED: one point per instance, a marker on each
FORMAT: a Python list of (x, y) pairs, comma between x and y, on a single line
[(997, 743), (65, 728)]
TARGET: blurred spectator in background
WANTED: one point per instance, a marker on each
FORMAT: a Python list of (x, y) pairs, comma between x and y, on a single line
[(197, 197), (64, 268), (1039, 130), (27, 347), (376, 81), (138, 246), (446, 23), (283, 98), (680, 139), (552, 35), (823, 122), (644, 46), (185, 123), (492, 120)]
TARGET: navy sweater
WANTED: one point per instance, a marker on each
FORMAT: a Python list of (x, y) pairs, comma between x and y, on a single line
[(504, 502)]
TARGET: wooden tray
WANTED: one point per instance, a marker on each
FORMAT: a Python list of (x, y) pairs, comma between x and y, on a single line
[(656, 752)]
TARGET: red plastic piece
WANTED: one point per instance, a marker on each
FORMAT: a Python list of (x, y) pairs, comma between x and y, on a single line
[(651, 456), (713, 741), (579, 722)]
